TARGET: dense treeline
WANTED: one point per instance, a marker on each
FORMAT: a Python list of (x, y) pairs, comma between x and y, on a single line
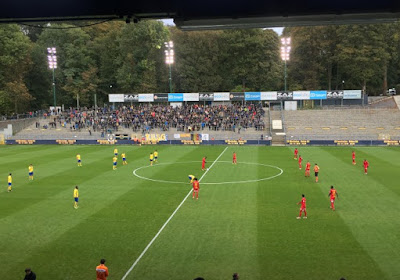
[(115, 57)]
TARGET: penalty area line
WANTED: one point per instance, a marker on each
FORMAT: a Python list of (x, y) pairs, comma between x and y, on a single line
[(169, 219)]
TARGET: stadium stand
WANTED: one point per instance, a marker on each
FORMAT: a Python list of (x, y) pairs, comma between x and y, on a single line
[(343, 124), (221, 122), (380, 120)]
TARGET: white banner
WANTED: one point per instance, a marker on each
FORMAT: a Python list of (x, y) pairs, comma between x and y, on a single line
[(146, 97), (221, 96), (269, 95), (352, 94), (115, 98), (301, 95), (177, 136), (205, 137), (277, 124), (191, 96)]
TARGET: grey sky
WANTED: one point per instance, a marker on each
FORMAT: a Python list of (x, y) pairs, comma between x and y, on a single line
[(169, 21)]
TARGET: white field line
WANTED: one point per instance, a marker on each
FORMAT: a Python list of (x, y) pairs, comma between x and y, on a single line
[(166, 223), (209, 183)]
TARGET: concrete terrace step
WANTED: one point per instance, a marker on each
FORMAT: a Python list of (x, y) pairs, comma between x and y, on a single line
[(397, 100)]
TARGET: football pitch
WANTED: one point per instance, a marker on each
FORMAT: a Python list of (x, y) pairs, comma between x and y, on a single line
[(244, 221)]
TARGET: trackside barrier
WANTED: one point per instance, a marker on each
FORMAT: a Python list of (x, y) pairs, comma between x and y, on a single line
[(343, 142), (133, 142), (211, 142)]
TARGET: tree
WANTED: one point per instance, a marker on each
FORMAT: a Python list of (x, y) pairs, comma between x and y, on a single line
[(14, 63), (250, 57), (74, 58), (362, 53), (197, 62), (139, 56)]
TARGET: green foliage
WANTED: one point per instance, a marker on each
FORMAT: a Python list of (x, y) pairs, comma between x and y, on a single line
[(14, 63), (222, 60), (123, 58), (140, 56), (363, 56)]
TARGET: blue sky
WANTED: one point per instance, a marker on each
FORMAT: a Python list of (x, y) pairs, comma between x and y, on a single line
[(170, 21)]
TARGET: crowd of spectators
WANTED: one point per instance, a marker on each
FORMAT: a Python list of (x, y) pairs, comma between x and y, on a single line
[(145, 117)]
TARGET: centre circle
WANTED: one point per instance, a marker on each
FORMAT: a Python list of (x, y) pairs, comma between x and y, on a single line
[(279, 172)]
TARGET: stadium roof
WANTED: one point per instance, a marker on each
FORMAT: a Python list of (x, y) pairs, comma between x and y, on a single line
[(207, 14)]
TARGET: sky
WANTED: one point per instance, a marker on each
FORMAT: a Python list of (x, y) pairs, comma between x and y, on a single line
[(170, 21)]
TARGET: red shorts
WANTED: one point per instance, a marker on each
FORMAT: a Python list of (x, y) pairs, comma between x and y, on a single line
[(302, 209), (333, 199), (203, 166), (195, 190)]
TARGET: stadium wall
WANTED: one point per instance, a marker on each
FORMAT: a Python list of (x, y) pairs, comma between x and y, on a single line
[(17, 125), (211, 142), (343, 142), (132, 142)]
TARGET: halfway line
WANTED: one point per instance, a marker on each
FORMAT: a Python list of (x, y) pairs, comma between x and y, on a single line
[(165, 224)]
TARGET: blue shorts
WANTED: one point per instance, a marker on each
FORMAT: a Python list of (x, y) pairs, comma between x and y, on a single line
[(116, 154), (76, 199), (123, 159), (9, 184), (79, 160), (30, 173), (114, 163), (151, 160), (156, 157)]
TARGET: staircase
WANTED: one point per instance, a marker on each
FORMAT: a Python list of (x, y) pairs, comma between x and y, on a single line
[(277, 129)]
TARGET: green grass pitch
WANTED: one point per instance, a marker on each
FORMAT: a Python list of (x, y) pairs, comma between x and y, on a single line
[(249, 227)]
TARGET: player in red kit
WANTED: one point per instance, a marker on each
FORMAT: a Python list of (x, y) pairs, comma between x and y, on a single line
[(300, 160), (295, 153), (203, 163), (234, 161), (303, 207), (333, 194), (353, 156), (196, 188), (366, 165), (308, 166)]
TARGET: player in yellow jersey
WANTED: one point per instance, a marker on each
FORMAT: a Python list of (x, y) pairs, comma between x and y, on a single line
[(115, 152), (9, 182), (78, 158), (155, 156), (124, 162), (191, 178), (76, 197), (115, 162), (151, 158), (30, 168)]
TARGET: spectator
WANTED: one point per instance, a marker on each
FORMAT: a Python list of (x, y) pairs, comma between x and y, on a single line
[(102, 270), (29, 274), (143, 117)]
